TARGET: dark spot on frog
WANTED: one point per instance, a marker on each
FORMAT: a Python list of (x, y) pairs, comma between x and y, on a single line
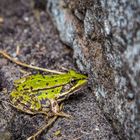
[(17, 102), (24, 86), (31, 88), (51, 76), (43, 76), (52, 90), (20, 98), (17, 87), (43, 101), (32, 96), (56, 80), (47, 84)]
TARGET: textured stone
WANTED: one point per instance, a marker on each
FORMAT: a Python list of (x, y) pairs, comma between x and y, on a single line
[(105, 37)]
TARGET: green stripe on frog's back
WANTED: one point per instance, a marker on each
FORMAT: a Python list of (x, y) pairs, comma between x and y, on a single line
[(31, 78), (48, 93), (37, 82), (71, 73)]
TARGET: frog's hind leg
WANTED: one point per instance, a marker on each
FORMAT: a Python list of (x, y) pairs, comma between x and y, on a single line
[(51, 121), (26, 65)]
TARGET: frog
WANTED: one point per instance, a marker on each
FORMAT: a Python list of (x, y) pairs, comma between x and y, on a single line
[(44, 93), (40, 94)]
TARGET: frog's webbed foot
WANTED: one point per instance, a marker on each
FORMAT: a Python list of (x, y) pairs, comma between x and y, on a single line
[(62, 114)]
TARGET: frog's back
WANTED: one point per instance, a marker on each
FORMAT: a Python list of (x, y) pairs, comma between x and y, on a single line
[(39, 81)]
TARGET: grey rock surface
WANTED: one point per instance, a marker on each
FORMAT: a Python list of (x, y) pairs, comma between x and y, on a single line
[(39, 44), (105, 37)]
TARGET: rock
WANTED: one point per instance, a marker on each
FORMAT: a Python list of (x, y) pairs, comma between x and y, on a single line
[(105, 37)]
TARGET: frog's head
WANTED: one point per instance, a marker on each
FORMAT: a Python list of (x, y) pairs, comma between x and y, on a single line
[(79, 81), (77, 76)]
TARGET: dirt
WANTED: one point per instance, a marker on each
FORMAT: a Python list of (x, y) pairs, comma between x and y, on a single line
[(33, 33)]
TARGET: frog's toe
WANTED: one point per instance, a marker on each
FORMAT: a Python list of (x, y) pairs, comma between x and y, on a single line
[(63, 114)]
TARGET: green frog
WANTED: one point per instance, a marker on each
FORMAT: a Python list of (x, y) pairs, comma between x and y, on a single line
[(41, 94)]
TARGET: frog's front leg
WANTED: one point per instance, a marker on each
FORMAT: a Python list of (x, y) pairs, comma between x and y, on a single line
[(56, 109)]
